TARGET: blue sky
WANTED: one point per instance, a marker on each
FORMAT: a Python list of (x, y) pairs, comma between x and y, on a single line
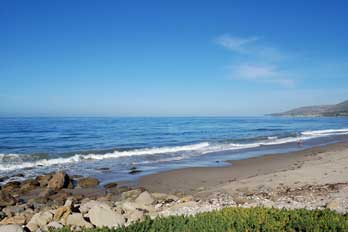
[(178, 58)]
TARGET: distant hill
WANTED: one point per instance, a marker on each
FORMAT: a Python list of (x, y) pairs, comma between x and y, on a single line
[(338, 110)]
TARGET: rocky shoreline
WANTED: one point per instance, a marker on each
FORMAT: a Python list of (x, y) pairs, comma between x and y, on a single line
[(312, 179), (57, 200)]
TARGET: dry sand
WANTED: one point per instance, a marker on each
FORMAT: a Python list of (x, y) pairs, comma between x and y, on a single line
[(315, 166)]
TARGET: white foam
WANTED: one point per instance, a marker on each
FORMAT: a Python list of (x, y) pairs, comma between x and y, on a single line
[(80, 157), (326, 132)]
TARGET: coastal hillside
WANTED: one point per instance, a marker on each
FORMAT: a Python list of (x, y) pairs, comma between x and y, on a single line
[(337, 110)]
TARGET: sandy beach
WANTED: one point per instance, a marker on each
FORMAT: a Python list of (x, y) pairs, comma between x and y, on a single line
[(315, 166)]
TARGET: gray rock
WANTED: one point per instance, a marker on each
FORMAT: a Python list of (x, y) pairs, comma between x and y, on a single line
[(131, 194), (145, 198), (136, 215), (12, 210), (39, 220), (76, 219), (86, 206), (102, 215), (333, 205), (11, 228)]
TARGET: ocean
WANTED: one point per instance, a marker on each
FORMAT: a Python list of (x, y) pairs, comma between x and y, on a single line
[(108, 148)]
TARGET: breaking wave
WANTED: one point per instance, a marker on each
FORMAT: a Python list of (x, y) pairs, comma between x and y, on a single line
[(10, 162)]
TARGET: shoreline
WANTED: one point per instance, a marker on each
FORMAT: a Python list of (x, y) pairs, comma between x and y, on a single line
[(314, 178), (193, 179)]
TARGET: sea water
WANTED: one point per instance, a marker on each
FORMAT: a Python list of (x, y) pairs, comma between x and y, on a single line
[(108, 148)]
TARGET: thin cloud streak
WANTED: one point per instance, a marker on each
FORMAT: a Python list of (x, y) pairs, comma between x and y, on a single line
[(264, 73), (256, 61), (236, 44)]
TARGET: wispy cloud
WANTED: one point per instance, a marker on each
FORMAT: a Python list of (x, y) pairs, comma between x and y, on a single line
[(265, 73), (256, 61), (236, 44)]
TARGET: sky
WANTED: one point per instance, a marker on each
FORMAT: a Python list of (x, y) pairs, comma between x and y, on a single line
[(171, 58)]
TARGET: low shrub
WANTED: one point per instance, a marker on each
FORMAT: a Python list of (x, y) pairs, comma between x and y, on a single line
[(241, 219)]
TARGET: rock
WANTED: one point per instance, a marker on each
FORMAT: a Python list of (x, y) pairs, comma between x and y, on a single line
[(58, 181), (54, 225), (132, 172), (167, 198), (102, 215), (110, 185), (6, 199), (39, 220), (11, 186), (46, 193), (43, 180), (29, 185), (87, 182), (3, 178), (62, 213), (11, 228), (132, 206), (136, 215), (69, 202), (76, 219), (131, 194), (86, 206), (60, 197), (17, 220), (333, 205), (2, 215), (13, 210), (145, 198)]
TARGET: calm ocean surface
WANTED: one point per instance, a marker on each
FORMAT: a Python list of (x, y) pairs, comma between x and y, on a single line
[(108, 147)]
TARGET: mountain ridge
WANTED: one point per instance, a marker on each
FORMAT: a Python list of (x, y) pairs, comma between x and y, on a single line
[(336, 110)]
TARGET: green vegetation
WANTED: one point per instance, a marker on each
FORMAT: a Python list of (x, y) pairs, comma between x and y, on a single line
[(242, 219)]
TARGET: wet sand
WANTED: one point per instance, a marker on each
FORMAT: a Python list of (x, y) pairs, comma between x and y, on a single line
[(311, 166)]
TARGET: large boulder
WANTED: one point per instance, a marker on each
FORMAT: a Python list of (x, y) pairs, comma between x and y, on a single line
[(87, 182), (6, 199), (11, 228), (39, 220), (58, 181), (145, 198), (102, 215), (76, 219)]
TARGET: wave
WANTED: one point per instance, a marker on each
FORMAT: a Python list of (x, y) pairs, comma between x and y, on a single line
[(10, 162), (19, 163), (326, 132)]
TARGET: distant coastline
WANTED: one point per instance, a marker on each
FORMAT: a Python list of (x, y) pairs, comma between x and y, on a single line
[(337, 110)]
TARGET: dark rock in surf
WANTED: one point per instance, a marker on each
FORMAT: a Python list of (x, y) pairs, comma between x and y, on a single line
[(110, 185), (58, 181)]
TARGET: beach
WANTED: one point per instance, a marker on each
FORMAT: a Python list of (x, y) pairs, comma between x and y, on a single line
[(313, 166), (314, 178)]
